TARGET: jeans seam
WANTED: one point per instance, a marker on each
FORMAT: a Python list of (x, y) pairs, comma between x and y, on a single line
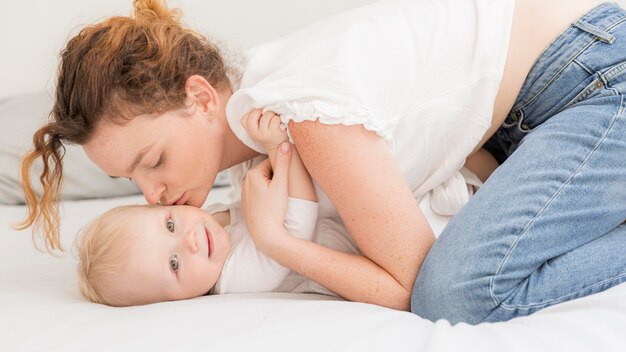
[(588, 91), (574, 57), (556, 75), (591, 88), (584, 67), (613, 73), (562, 298), (614, 24), (576, 172)]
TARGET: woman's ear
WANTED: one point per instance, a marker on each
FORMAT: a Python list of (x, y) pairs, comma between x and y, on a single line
[(198, 89)]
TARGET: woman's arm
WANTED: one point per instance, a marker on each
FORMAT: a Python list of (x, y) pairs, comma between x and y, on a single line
[(357, 171), (351, 276), (482, 163)]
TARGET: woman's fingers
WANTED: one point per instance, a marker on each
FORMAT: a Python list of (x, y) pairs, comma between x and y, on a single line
[(280, 178), (263, 175), (264, 197), (263, 171)]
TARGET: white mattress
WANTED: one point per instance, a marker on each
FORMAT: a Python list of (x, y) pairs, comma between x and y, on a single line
[(42, 309)]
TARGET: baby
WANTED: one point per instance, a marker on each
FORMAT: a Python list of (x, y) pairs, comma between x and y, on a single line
[(140, 254)]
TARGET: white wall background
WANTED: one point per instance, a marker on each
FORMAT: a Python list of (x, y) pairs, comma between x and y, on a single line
[(32, 32)]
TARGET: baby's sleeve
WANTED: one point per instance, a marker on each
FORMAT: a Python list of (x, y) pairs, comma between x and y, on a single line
[(301, 218)]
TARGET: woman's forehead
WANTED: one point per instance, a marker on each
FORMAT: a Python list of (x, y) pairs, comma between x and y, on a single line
[(115, 148)]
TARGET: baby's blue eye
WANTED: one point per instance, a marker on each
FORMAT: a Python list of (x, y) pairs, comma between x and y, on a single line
[(170, 225), (174, 262)]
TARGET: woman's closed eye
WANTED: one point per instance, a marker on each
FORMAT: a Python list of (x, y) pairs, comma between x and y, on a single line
[(174, 264), (159, 162)]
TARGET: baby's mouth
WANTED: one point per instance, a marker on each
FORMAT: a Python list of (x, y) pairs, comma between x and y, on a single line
[(209, 242)]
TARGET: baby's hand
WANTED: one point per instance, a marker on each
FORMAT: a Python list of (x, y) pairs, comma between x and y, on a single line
[(264, 128)]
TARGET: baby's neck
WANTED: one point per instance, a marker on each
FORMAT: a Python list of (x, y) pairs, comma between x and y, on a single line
[(222, 217)]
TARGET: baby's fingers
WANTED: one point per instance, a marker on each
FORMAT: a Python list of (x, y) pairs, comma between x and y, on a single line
[(275, 123), (250, 121), (266, 120)]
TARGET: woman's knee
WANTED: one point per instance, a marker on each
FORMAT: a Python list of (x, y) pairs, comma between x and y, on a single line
[(450, 289)]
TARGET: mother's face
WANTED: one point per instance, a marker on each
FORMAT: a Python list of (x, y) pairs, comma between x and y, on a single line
[(173, 157)]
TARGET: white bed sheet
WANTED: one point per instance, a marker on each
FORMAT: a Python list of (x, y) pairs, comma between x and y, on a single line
[(42, 309)]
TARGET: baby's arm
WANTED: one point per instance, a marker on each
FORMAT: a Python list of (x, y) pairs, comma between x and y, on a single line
[(264, 127)]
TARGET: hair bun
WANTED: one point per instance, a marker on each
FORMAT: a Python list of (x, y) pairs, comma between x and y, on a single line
[(153, 10)]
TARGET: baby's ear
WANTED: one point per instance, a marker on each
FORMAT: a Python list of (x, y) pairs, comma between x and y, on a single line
[(200, 91)]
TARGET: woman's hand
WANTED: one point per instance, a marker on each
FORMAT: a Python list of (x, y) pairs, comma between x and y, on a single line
[(264, 199)]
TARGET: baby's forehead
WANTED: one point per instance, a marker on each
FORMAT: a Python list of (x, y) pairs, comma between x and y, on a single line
[(140, 213), (132, 222)]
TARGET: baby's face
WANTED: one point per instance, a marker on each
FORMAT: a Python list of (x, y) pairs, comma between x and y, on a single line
[(176, 252)]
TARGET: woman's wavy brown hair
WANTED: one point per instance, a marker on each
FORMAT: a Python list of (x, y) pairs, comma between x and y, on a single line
[(116, 69)]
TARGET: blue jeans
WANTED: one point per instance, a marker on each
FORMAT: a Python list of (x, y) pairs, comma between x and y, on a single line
[(548, 225)]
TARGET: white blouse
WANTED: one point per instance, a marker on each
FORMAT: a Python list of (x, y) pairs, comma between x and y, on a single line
[(422, 74)]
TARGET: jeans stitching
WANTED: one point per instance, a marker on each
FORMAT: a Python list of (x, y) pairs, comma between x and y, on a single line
[(556, 75), (615, 71), (584, 67), (591, 88), (492, 294), (576, 55), (563, 298), (585, 93)]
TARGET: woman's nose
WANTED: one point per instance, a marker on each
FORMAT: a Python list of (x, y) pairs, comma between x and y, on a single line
[(151, 190)]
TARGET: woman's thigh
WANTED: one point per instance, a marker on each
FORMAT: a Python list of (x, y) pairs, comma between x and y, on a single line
[(547, 225), (545, 228)]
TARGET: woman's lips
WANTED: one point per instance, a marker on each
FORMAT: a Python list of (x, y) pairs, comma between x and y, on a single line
[(180, 200)]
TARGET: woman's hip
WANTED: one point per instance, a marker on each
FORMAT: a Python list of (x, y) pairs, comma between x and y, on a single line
[(587, 61)]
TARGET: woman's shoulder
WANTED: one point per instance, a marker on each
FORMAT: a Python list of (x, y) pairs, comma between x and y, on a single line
[(373, 65)]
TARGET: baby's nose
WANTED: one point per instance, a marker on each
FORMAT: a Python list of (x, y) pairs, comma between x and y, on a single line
[(191, 241)]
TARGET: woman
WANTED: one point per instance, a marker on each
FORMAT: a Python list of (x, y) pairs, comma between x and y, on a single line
[(384, 104)]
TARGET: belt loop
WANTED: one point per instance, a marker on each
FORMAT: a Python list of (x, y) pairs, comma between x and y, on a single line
[(520, 123), (599, 33)]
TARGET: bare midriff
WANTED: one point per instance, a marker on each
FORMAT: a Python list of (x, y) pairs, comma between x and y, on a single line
[(536, 23)]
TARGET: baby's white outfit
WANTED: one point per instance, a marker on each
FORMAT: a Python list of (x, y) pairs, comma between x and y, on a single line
[(249, 270), (422, 74)]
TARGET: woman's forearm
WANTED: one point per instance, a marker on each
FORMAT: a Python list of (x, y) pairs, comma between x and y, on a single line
[(482, 163), (353, 277)]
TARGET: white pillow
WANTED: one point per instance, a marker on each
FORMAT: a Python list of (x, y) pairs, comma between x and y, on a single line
[(21, 116)]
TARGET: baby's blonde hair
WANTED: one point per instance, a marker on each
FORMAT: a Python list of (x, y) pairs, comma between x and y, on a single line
[(103, 247)]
